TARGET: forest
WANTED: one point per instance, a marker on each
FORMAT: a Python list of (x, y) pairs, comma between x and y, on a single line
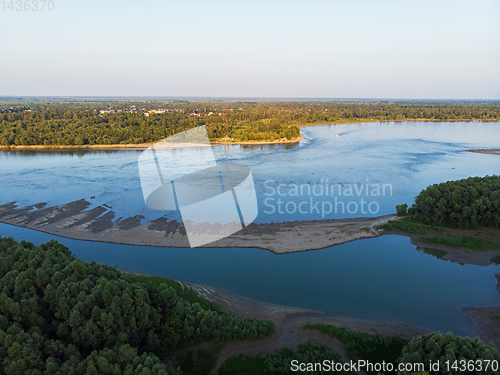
[(467, 203), (94, 122), (61, 315)]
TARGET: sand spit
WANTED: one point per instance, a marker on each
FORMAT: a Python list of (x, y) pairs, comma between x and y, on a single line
[(493, 151), (74, 220), (77, 220)]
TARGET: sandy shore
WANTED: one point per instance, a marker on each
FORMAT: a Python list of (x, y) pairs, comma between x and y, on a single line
[(143, 146), (74, 220), (276, 142)]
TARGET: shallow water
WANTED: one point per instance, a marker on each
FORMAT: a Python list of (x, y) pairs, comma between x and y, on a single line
[(380, 278), (402, 157)]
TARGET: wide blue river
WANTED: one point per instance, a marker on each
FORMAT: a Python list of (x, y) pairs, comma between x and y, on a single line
[(383, 164)]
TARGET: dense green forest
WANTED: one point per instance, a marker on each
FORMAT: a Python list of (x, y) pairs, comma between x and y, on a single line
[(61, 315), (52, 123), (478, 357), (467, 203)]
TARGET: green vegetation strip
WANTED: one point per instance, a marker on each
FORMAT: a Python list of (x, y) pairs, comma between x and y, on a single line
[(183, 292), (409, 225), (462, 241)]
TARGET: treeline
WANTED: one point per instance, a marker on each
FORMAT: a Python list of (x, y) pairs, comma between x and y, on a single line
[(467, 203), (456, 355), (83, 123), (61, 315)]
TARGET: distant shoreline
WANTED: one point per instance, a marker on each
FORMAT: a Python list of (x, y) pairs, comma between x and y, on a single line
[(362, 121), (142, 146)]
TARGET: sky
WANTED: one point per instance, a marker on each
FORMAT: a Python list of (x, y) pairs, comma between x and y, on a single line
[(439, 49)]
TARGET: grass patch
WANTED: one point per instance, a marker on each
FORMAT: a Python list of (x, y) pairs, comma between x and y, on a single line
[(175, 285), (242, 365), (462, 241), (197, 362), (409, 225), (373, 348)]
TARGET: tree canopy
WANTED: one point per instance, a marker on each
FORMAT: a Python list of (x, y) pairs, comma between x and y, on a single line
[(467, 203), (61, 315), (438, 347)]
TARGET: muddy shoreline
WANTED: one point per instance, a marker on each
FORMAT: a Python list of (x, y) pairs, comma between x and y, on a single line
[(455, 255), (289, 325)]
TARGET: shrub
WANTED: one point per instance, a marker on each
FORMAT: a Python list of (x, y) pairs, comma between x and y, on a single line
[(401, 209)]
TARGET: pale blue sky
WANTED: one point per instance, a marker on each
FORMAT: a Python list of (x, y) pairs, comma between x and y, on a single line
[(323, 49)]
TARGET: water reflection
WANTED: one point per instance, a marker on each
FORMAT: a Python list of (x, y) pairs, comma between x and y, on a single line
[(57, 152), (434, 252)]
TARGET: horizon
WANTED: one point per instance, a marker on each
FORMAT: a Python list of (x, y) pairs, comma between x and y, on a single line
[(228, 98), (446, 50)]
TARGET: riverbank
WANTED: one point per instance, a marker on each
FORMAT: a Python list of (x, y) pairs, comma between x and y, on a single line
[(275, 142), (143, 146), (478, 257)]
